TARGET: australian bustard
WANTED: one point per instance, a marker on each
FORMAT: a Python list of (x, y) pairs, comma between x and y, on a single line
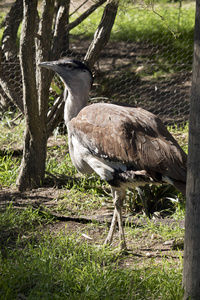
[(127, 147)]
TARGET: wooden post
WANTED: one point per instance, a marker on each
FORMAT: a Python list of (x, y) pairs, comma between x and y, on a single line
[(191, 269)]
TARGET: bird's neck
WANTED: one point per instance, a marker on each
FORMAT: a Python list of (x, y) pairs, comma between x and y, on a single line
[(76, 99)]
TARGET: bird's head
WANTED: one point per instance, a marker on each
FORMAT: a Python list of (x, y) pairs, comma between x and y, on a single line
[(73, 72)]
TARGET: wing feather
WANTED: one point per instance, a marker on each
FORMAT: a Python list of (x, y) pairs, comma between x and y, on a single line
[(132, 136)]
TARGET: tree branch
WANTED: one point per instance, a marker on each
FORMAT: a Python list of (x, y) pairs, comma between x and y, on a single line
[(102, 34), (10, 92), (84, 15), (43, 46), (7, 88), (12, 22), (60, 28), (27, 59), (55, 115)]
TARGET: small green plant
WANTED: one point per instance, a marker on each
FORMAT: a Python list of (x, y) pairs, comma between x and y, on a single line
[(12, 127), (9, 167), (180, 133)]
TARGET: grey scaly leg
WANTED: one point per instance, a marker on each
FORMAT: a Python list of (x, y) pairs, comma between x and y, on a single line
[(118, 198)]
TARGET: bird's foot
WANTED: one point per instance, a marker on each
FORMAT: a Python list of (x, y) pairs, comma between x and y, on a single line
[(107, 242), (122, 245)]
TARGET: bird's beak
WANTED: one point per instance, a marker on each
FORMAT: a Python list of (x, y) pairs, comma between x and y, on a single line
[(48, 65)]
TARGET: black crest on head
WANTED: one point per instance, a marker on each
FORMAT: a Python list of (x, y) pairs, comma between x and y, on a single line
[(76, 63)]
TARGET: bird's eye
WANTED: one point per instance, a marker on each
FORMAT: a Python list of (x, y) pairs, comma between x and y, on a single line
[(69, 66)]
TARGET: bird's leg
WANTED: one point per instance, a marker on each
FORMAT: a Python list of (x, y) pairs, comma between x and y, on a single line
[(109, 238), (118, 197), (118, 201)]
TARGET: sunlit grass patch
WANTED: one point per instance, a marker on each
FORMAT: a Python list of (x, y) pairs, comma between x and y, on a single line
[(60, 266), (145, 22), (180, 133), (165, 27), (76, 202), (9, 167), (12, 132)]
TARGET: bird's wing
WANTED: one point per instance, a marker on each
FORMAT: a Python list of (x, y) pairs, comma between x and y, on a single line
[(131, 136)]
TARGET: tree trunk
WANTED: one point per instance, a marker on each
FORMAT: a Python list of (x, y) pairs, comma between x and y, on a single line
[(191, 269), (36, 82), (34, 153), (12, 22), (10, 74), (102, 34), (62, 21)]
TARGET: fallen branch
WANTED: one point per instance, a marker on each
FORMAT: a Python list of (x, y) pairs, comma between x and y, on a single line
[(106, 219)]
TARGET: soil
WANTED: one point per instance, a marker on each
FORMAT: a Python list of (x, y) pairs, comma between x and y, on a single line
[(94, 227)]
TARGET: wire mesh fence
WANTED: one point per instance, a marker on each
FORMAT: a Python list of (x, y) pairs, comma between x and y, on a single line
[(166, 96), (147, 62)]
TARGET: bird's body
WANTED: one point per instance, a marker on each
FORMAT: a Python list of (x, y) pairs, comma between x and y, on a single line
[(116, 139), (126, 146)]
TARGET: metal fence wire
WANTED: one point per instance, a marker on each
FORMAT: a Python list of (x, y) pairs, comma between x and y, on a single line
[(139, 67)]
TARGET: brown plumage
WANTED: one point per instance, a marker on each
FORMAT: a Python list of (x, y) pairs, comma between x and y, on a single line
[(126, 146), (132, 136)]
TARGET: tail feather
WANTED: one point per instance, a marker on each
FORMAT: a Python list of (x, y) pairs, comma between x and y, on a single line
[(181, 186), (133, 179)]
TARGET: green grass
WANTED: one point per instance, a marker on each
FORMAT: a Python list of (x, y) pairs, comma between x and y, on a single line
[(9, 167), (38, 264), (142, 23), (180, 132), (11, 132), (11, 140), (2, 15), (158, 23), (162, 26)]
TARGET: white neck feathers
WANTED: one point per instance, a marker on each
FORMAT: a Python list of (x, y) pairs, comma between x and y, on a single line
[(77, 99)]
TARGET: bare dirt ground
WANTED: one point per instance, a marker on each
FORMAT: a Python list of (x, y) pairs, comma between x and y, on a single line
[(144, 248)]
